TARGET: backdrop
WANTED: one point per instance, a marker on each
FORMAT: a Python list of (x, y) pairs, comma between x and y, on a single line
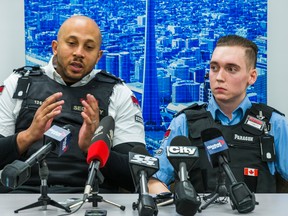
[(161, 49)]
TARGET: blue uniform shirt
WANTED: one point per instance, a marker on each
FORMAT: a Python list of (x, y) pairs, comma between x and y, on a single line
[(178, 126)]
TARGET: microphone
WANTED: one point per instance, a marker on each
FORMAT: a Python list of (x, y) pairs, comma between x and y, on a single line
[(18, 172), (217, 151), (142, 167), (182, 156), (99, 151)]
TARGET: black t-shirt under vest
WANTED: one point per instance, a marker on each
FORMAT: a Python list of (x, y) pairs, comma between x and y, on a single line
[(70, 169), (244, 150)]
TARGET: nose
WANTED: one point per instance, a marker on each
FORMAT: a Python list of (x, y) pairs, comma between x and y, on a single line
[(79, 52), (220, 75)]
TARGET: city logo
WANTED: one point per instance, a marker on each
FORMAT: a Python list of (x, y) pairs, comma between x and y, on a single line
[(182, 150)]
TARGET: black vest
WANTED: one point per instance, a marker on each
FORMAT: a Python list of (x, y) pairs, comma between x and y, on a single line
[(243, 153), (71, 169)]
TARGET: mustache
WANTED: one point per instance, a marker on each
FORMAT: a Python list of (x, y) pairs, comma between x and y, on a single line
[(78, 59)]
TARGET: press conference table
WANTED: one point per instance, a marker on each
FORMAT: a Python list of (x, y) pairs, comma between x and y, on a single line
[(269, 204)]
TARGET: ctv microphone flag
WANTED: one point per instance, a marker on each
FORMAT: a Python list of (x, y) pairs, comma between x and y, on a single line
[(61, 135)]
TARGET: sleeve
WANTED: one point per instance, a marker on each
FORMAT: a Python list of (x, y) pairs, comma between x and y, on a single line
[(126, 111), (128, 132), (279, 129), (117, 169), (178, 126), (8, 115), (8, 106), (8, 150)]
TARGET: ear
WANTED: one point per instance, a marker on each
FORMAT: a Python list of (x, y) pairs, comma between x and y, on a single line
[(252, 76), (54, 47), (100, 53)]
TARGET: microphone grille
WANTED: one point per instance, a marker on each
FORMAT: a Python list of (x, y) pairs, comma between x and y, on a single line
[(180, 141), (210, 133), (139, 149)]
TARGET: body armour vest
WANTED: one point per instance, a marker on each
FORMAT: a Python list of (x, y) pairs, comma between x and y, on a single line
[(71, 169), (244, 150)]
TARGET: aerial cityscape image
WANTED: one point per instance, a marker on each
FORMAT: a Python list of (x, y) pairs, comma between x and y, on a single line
[(160, 48)]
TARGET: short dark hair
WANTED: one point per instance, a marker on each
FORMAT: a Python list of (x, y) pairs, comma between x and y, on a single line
[(236, 40)]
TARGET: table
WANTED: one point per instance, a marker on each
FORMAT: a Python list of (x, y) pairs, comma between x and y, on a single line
[(269, 204)]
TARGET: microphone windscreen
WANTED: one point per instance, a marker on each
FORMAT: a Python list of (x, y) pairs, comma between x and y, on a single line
[(140, 159), (181, 150), (215, 145), (180, 141), (210, 134), (139, 149), (105, 131), (98, 151)]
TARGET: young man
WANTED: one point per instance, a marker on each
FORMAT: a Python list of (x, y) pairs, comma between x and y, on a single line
[(232, 70), (69, 91)]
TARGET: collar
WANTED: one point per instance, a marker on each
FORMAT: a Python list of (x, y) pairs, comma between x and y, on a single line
[(237, 114), (52, 73)]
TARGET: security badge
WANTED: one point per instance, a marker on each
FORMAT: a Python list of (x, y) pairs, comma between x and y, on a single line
[(255, 123), (267, 146)]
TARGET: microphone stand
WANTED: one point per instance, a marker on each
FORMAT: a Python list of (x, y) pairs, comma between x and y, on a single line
[(95, 197), (145, 204), (44, 199), (221, 190)]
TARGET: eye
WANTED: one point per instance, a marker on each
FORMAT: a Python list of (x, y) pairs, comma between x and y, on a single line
[(232, 69), (71, 43), (89, 47), (214, 68)]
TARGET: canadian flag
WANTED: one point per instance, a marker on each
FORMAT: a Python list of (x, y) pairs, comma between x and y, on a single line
[(250, 171)]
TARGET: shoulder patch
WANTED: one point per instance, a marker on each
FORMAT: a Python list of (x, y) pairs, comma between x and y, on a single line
[(1, 89), (167, 133), (135, 101)]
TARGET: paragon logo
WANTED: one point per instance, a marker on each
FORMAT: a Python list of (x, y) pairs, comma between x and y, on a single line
[(243, 138)]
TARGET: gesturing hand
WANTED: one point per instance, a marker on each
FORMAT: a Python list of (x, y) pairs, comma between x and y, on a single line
[(42, 120), (90, 116)]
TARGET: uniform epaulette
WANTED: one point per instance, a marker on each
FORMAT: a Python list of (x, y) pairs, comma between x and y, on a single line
[(31, 70), (107, 77), (265, 108), (194, 106)]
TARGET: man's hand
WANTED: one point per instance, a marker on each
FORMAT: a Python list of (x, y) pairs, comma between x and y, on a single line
[(42, 120), (91, 120), (157, 187)]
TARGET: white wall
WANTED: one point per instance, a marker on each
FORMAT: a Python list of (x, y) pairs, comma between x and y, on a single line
[(13, 46), (277, 56), (12, 39)]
